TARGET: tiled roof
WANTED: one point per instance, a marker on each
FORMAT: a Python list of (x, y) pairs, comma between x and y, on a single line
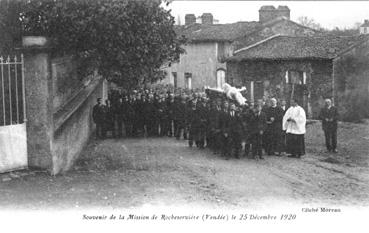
[(231, 32), (287, 47), (259, 34), (217, 32)]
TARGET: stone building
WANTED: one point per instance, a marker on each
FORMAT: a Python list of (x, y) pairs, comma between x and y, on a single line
[(303, 67), (364, 28), (210, 44)]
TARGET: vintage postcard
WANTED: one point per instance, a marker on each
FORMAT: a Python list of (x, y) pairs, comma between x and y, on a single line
[(184, 115)]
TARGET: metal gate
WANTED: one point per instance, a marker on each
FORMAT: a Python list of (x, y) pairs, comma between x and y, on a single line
[(13, 135)]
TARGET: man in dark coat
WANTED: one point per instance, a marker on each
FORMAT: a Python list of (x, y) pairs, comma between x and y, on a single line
[(128, 117), (257, 128), (138, 105), (213, 126), (201, 112), (235, 130), (218, 127), (274, 115), (329, 117), (150, 115), (180, 118), (109, 118), (162, 116), (193, 123), (170, 114), (119, 116), (210, 121), (246, 114), (224, 127), (98, 118), (175, 107), (282, 142)]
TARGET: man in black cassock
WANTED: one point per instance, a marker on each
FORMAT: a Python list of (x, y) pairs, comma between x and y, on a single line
[(274, 115)]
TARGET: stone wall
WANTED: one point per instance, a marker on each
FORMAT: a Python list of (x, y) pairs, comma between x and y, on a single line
[(59, 117), (269, 78), (65, 80), (74, 128)]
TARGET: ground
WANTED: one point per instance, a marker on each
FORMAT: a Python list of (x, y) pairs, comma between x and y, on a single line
[(131, 173)]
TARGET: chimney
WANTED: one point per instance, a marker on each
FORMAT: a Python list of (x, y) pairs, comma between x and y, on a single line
[(207, 18), (266, 13), (366, 21), (190, 19), (283, 11)]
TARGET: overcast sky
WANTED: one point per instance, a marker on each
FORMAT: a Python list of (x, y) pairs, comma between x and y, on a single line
[(329, 14)]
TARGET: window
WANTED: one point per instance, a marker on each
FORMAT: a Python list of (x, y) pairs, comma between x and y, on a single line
[(220, 78), (174, 81), (220, 52), (188, 80), (365, 30), (296, 77)]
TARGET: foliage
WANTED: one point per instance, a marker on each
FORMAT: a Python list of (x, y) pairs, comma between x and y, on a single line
[(353, 86), (343, 32), (127, 41), (10, 25), (309, 22)]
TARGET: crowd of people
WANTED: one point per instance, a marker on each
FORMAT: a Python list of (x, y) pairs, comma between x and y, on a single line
[(220, 124)]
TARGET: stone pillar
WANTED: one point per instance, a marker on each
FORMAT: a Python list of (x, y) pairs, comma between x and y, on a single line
[(38, 85)]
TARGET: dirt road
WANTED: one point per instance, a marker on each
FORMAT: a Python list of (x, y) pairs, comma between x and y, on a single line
[(128, 173)]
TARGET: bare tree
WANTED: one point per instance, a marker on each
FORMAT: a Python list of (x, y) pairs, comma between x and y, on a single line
[(308, 22)]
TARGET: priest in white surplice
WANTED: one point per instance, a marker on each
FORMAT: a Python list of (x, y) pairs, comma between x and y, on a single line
[(294, 123)]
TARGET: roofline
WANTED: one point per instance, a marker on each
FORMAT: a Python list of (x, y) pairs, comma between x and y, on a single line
[(257, 43), (273, 22), (366, 38), (234, 60), (297, 24), (256, 30), (219, 40), (193, 41)]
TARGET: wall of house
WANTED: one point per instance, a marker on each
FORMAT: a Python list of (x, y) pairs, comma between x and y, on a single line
[(269, 80), (201, 60), (364, 30)]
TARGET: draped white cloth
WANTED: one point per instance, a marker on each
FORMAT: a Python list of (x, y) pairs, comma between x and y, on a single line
[(234, 93), (298, 123)]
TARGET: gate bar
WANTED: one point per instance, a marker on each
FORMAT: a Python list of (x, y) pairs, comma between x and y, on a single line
[(10, 91), (16, 87), (23, 91), (2, 85)]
